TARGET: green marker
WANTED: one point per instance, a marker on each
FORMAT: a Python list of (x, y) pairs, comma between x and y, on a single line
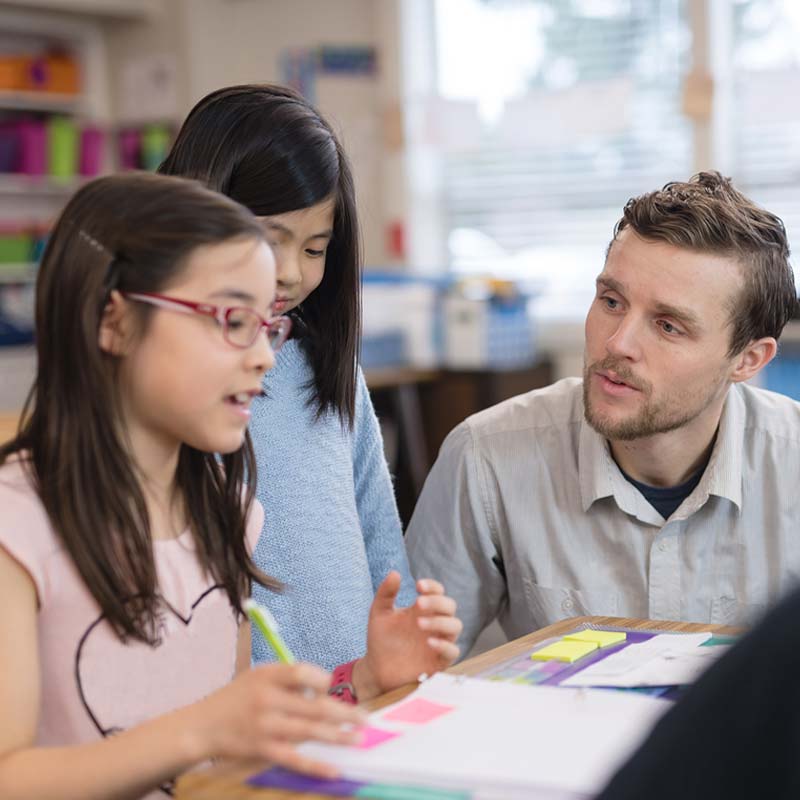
[(265, 622)]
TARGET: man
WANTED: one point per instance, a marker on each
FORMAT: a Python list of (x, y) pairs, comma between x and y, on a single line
[(658, 486)]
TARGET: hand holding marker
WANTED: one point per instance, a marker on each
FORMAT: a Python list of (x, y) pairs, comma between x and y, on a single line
[(263, 620)]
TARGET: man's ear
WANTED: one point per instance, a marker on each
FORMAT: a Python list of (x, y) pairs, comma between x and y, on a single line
[(115, 326), (753, 358)]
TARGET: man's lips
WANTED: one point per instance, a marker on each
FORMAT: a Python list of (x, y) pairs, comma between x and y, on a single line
[(614, 379)]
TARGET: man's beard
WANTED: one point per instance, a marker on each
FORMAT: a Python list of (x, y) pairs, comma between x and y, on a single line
[(651, 419)]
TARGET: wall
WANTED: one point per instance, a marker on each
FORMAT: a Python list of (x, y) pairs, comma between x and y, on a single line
[(216, 43)]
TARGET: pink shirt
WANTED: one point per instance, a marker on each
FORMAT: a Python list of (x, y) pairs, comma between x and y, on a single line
[(93, 684)]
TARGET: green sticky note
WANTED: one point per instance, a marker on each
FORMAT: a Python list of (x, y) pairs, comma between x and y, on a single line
[(602, 638), (719, 639), (564, 651), (381, 791)]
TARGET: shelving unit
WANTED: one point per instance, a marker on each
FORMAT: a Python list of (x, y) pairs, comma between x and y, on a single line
[(45, 102), (30, 203), (18, 273)]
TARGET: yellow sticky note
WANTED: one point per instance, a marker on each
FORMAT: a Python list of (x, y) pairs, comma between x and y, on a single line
[(564, 651), (602, 638)]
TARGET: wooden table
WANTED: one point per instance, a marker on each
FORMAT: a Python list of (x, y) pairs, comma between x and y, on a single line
[(227, 783)]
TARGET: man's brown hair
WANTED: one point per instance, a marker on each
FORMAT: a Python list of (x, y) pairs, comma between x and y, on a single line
[(707, 215)]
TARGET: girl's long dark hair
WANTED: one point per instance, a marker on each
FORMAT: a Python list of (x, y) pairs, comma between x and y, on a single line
[(133, 233), (270, 150)]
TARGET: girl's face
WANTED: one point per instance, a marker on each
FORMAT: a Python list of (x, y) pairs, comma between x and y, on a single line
[(182, 381), (299, 240)]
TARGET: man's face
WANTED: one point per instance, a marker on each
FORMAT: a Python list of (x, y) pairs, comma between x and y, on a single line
[(657, 338)]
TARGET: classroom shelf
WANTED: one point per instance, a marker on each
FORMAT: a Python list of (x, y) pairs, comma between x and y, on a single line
[(18, 273), (46, 102)]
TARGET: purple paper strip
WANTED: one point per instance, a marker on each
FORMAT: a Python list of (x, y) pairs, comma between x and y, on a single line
[(278, 778), (633, 637)]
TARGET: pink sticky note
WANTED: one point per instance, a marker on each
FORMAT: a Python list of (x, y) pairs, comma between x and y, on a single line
[(371, 737), (417, 710)]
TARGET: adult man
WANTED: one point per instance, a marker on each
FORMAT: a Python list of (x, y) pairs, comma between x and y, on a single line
[(659, 486)]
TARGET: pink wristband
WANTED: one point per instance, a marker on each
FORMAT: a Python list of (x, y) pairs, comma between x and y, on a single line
[(342, 683)]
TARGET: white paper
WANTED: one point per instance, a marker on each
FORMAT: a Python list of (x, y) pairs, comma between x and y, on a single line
[(505, 741), (665, 660)]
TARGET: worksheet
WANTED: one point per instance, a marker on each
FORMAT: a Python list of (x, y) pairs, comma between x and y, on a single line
[(498, 739)]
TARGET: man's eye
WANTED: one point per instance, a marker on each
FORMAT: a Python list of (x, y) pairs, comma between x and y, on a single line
[(669, 328)]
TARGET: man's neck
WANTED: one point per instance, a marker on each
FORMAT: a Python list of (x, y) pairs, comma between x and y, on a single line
[(668, 459)]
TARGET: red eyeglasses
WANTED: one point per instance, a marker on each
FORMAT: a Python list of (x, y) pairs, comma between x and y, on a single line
[(240, 325)]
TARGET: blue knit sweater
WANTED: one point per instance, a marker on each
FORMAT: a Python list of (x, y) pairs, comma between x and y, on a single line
[(331, 529)]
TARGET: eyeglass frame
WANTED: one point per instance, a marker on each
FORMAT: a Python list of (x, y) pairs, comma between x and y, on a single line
[(218, 313)]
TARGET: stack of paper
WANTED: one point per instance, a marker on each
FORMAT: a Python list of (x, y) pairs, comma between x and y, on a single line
[(664, 660), (498, 740)]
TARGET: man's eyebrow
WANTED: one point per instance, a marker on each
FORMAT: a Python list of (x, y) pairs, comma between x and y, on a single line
[(610, 283), (686, 316)]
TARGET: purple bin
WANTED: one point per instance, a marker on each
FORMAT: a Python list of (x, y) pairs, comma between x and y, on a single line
[(91, 155), (9, 146), (130, 149), (32, 147)]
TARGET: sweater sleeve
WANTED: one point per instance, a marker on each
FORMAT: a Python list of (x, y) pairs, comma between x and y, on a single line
[(377, 509)]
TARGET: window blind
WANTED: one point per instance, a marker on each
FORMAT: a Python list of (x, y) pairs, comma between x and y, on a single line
[(596, 120)]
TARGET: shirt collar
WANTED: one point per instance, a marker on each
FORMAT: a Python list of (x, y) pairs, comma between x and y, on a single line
[(723, 475), (600, 476)]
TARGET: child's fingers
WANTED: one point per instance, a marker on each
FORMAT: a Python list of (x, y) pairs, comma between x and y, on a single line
[(320, 708), (386, 593), (444, 627), (285, 755), (431, 605), (290, 728), (294, 676), (429, 586), (448, 651)]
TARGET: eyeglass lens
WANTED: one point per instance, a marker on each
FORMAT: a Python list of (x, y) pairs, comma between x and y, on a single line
[(243, 325)]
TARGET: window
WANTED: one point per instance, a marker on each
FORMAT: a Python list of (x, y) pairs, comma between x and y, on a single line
[(546, 115), (766, 105), (558, 112)]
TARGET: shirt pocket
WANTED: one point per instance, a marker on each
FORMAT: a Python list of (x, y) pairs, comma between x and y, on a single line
[(728, 610), (549, 604)]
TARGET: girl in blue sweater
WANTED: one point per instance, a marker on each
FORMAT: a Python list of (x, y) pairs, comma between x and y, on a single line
[(332, 533)]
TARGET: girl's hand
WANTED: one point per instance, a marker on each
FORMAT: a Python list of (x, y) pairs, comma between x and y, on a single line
[(402, 643), (267, 710)]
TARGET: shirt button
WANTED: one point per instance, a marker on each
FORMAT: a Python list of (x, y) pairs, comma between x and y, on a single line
[(567, 604), (663, 546)]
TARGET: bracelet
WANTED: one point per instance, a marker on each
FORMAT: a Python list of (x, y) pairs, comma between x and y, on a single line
[(342, 683)]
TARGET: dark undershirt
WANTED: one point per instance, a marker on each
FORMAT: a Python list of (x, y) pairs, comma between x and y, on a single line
[(666, 500)]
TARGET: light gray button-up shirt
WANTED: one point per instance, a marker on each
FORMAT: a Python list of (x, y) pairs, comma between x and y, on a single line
[(526, 516)]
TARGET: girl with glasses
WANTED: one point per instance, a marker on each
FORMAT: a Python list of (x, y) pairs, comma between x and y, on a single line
[(332, 533), (126, 527)]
